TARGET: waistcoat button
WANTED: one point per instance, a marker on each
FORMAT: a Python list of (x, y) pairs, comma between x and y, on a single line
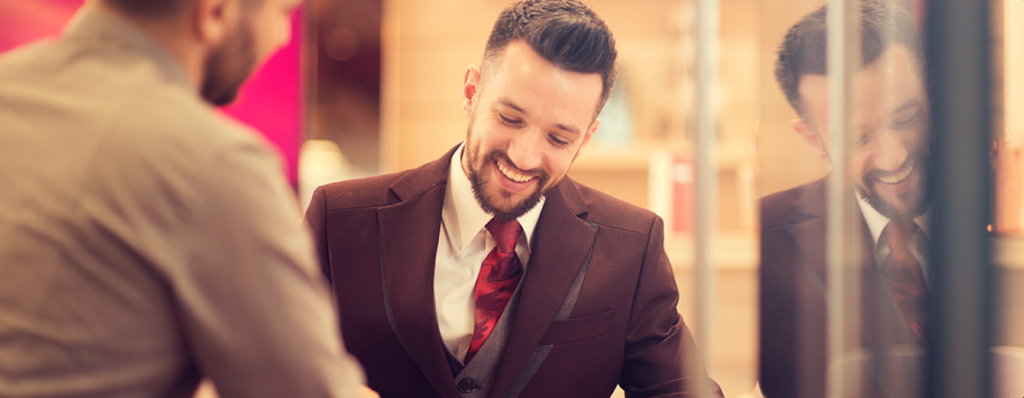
[(468, 385)]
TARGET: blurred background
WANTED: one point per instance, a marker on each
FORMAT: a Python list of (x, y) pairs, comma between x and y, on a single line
[(374, 86)]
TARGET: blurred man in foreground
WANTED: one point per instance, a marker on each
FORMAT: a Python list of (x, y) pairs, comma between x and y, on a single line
[(887, 166), (488, 273), (145, 241)]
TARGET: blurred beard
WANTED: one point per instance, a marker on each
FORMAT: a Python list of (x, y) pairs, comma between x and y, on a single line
[(228, 66), (476, 179), (916, 199)]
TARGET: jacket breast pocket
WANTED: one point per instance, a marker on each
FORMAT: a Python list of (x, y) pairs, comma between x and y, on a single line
[(579, 328)]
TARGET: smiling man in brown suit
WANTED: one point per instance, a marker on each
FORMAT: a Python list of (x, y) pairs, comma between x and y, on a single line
[(575, 294)]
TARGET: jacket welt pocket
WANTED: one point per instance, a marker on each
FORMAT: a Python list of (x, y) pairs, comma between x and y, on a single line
[(579, 328)]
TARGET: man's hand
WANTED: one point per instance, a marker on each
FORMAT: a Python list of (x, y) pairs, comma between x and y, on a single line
[(368, 393)]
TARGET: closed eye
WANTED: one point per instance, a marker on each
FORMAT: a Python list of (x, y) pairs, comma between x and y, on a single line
[(907, 115), (558, 140), (905, 122), (860, 140), (507, 120)]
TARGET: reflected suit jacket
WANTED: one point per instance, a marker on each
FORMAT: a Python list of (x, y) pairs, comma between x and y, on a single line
[(597, 304), (881, 355)]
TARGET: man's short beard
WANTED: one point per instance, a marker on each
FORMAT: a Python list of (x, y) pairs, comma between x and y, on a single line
[(229, 65), (887, 209), (477, 183)]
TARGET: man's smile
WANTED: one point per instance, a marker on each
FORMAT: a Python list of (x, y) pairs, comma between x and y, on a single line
[(898, 175), (514, 180)]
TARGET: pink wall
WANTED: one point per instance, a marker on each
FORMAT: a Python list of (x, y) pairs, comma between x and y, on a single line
[(271, 101), (25, 21)]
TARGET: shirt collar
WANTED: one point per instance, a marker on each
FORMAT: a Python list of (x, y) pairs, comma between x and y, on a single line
[(877, 222), (463, 216)]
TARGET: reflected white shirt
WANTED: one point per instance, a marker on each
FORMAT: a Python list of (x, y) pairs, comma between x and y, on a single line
[(877, 222), (462, 245)]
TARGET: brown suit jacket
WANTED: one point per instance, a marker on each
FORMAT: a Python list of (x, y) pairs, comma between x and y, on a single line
[(883, 356), (597, 306)]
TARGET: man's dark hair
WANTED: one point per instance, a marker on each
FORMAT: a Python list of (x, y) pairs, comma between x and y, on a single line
[(155, 9), (805, 49), (564, 32), (148, 8)]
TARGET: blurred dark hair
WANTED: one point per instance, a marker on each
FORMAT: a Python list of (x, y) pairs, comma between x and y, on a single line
[(155, 9), (805, 49), (564, 32)]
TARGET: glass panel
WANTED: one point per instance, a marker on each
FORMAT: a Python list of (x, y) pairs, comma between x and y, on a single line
[(1008, 184), (960, 285), (792, 279), (844, 144)]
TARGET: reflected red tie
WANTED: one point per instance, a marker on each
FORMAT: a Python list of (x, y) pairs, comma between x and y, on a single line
[(904, 277), (499, 276)]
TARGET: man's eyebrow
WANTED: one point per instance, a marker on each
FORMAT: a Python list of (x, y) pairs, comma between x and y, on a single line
[(564, 127), (507, 102), (568, 129), (909, 104)]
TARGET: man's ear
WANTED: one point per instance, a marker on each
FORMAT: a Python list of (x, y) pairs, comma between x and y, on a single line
[(811, 137), (215, 19), (470, 89), (590, 133), (586, 138)]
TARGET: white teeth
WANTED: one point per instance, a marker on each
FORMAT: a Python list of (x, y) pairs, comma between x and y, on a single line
[(898, 176), (512, 174)]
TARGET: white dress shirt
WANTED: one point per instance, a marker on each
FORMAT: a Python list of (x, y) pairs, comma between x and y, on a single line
[(877, 222), (462, 245)]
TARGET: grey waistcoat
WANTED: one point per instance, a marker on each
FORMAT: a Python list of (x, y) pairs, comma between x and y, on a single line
[(475, 379)]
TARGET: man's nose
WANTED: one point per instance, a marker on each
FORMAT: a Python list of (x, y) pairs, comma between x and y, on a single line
[(525, 149), (890, 151)]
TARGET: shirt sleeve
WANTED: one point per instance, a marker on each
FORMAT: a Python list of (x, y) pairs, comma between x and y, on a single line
[(252, 302)]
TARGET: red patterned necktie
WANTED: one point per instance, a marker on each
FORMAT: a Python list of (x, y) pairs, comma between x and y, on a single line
[(499, 276), (904, 277)]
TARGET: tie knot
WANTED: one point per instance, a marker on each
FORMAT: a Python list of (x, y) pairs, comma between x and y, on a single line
[(505, 233), (898, 233)]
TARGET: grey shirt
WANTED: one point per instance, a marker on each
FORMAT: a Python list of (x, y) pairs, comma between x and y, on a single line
[(146, 241)]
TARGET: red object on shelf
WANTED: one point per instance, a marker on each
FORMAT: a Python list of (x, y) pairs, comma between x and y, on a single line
[(682, 194)]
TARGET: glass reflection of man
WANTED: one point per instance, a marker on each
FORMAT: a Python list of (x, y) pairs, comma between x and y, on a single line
[(145, 242), (888, 156), (489, 272)]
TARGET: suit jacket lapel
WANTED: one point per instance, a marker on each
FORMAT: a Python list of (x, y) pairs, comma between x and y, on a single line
[(562, 242), (810, 234), (408, 243)]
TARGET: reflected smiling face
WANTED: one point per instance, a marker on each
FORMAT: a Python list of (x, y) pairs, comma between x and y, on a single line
[(529, 119), (889, 140)]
